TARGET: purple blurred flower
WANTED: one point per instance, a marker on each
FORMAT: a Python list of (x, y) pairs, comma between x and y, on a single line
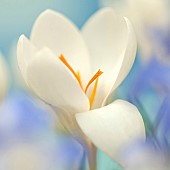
[(28, 137), (150, 92)]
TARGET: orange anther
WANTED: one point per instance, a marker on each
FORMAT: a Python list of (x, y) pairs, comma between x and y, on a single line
[(93, 78)]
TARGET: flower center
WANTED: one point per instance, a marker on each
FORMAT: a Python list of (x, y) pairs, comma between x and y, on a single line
[(78, 77)]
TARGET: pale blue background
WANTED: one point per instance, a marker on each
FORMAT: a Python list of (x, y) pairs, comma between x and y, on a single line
[(18, 16)]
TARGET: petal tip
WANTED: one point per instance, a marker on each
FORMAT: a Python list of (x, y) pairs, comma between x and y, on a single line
[(47, 12), (22, 39), (20, 43)]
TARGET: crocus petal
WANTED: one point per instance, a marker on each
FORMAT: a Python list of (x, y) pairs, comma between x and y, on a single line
[(3, 77), (106, 36), (128, 56), (112, 45), (62, 37), (51, 80), (25, 53), (112, 127)]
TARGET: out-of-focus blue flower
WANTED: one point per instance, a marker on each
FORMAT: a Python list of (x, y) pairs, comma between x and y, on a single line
[(26, 131), (143, 156), (154, 74), (150, 88), (20, 114), (160, 41), (161, 128), (150, 92)]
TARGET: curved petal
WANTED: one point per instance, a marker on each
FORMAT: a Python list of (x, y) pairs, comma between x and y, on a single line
[(112, 127), (127, 58), (25, 53), (105, 34), (62, 37), (51, 80), (112, 45)]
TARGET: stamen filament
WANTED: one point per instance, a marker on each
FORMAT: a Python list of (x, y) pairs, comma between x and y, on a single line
[(79, 79), (76, 75), (93, 79), (93, 94)]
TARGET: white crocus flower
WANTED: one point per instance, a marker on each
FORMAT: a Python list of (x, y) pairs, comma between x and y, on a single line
[(78, 71), (3, 77)]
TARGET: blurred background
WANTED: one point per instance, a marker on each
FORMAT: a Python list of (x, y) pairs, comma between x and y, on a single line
[(30, 135)]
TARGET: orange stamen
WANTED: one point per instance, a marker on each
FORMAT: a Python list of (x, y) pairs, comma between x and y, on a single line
[(79, 79), (92, 79), (76, 75), (93, 94)]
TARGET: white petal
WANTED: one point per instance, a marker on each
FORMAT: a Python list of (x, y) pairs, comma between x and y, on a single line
[(3, 77), (105, 35), (52, 81), (25, 53), (112, 127), (128, 56), (60, 35), (112, 45)]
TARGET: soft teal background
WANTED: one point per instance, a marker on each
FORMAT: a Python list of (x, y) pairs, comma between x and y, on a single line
[(18, 16)]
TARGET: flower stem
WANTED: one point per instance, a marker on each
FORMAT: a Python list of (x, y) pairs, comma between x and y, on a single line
[(91, 155), (70, 124)]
